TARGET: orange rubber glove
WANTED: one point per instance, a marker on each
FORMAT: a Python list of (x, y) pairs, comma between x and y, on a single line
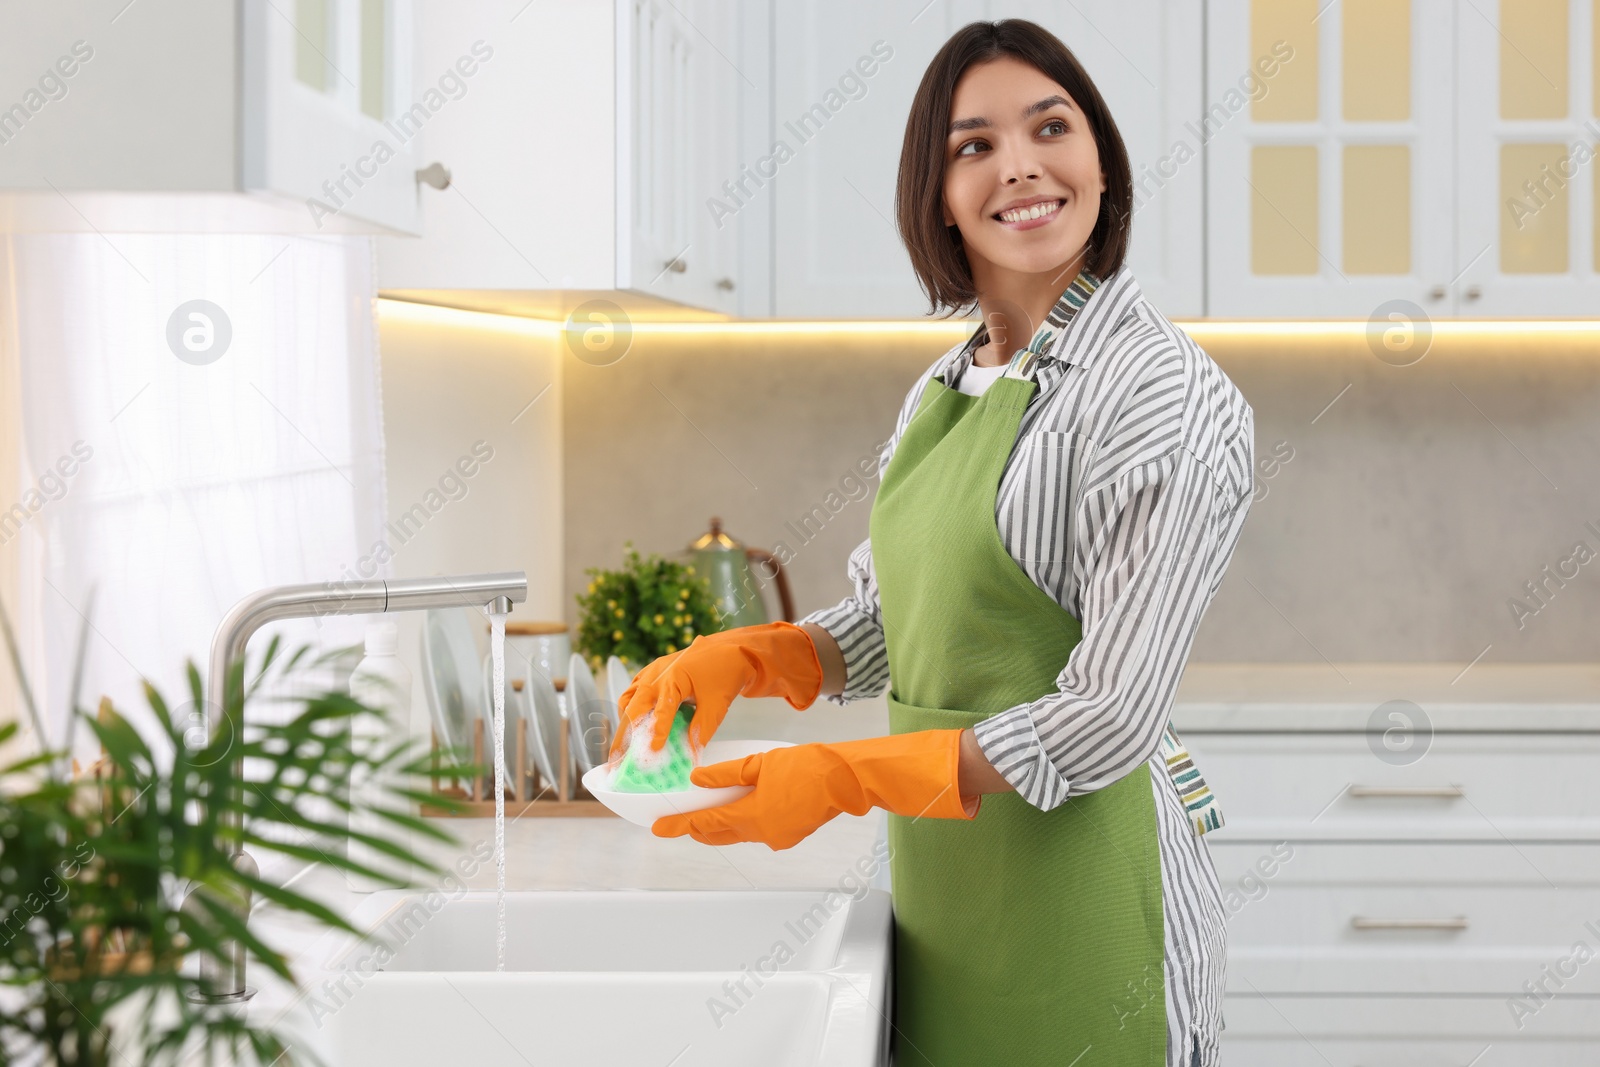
[(772, 659), (798, 789)]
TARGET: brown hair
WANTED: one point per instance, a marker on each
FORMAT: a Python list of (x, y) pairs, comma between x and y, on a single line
[(936, 252)]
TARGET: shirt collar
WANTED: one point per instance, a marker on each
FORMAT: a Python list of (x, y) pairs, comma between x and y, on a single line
[(1086, 301)]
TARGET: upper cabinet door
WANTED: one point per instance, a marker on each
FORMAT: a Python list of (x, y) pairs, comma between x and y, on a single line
[(1146, 57), (1529, 101), (682, 70), (329, 115), (845, 76), (199, 116), (1330, 152), (527, 133)]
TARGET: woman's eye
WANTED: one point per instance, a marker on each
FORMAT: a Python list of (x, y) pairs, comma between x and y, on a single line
[(962, 151), (1055, 123)]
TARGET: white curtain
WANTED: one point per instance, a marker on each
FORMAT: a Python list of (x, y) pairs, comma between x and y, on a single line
[(167, 478)]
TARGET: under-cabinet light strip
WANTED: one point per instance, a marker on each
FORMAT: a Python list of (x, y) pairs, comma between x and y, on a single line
[(1200, 329)]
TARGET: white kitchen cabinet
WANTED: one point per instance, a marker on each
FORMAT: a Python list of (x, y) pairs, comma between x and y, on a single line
[(1385, 158), (845, 74), (196, 116), (682, 70), (528, 145), (1393, 884), (1528, 129), (1331, 189), (585, 152), (1146, 59)]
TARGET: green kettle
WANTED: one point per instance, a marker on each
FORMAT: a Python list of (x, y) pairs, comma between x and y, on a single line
[(735, 586)]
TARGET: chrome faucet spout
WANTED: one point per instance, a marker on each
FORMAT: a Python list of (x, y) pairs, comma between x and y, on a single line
[(494, 593)]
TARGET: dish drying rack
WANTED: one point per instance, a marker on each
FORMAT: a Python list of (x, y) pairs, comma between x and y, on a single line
[(526, 791)]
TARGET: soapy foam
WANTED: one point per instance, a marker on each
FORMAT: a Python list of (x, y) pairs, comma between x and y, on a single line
[(643, 770)]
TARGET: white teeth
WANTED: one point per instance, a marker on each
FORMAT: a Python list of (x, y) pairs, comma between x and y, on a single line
[(1036, 211)]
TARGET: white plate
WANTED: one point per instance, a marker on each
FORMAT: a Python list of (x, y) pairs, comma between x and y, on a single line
[(450, 669), (643, 809), (544, 727), (586, 711), (617, 681)]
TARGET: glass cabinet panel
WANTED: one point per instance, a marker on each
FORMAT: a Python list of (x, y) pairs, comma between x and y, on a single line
[(1376, 43), (1283, 209), (313, 41), (1377, 209), (1293, 94), (374, 56), (1533, 59)]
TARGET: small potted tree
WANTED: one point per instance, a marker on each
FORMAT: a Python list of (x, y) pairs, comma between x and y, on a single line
[(650, 607)]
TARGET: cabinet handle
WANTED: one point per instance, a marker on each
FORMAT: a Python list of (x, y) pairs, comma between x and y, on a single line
[(1406, 791), (434, 174), (677, 266), (1473, 292), (1362, 922), (1437, 292), (725, 284)]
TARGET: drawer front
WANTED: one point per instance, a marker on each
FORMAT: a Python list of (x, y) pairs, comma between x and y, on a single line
[(1403, 1052), (1405, 1032), (1489, 787), (1408, 919)]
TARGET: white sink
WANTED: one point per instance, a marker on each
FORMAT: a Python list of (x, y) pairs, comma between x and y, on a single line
[(690, 978)]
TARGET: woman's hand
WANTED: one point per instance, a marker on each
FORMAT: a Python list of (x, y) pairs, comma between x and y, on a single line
[(800, 787), (772, 659)]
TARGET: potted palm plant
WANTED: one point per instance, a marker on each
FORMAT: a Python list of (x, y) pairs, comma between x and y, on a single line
[(110, 881)]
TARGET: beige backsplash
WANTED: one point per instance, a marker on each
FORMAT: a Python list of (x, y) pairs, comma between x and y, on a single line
[(1414, 509)]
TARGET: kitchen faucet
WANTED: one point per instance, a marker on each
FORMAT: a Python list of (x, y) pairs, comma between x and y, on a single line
[(222, 976)]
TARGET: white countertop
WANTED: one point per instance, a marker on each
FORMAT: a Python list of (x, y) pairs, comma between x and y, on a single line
[(1344, 696), (608, 853)]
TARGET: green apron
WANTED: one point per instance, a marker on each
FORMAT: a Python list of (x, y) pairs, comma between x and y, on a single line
[(1022, 936)]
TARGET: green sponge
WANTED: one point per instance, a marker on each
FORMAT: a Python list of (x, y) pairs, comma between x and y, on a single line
[(667, 771)]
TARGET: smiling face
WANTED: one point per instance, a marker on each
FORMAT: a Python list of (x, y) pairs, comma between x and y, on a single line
[(1022, 174)]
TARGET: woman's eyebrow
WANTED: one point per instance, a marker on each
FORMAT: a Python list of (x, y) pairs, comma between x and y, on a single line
[(1032, 109)]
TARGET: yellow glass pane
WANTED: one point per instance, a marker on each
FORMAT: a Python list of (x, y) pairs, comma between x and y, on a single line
[(1283, 209), (312, 41), (1377, 60), (1533, 59), (374, 52), (1283, 32), (1377, 209), (1533, 219)]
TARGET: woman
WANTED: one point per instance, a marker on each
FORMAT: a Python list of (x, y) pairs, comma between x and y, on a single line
[(1058, 504)]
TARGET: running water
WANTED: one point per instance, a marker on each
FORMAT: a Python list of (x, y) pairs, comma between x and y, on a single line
[(497, 650)]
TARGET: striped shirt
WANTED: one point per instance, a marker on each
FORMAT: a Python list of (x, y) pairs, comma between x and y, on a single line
[(1123, 499)]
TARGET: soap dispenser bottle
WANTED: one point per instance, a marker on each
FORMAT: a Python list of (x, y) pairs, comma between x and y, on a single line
[(380, 681)]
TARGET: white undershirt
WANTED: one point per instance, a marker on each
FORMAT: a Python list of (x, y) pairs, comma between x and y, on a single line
[(975, 379)]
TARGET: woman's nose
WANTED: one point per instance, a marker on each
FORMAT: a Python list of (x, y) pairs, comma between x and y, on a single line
[(1016, 161)]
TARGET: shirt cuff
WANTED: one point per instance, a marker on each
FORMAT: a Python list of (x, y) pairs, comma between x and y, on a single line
[(1010, 741), (860, 640)]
